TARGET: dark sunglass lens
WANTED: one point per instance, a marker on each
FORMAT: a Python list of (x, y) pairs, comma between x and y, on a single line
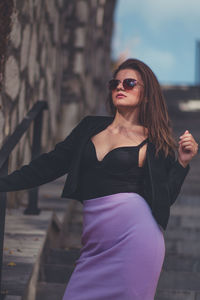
[(113, 83), (129, 83)]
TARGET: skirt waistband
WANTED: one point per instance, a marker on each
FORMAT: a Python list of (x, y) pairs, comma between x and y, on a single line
[(116, 196)]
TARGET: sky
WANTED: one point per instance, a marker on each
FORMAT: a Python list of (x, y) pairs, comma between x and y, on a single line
[(162, 33)]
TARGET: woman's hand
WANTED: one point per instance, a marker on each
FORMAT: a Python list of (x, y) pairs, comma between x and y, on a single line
[(188, 148)]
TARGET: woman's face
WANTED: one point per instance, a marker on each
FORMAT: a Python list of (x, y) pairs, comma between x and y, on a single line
[(127, 98)]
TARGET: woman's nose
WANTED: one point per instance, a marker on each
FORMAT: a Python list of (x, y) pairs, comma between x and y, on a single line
[(120, 86)]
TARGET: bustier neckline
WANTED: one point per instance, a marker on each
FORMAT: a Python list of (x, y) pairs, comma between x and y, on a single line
[(137, 147)]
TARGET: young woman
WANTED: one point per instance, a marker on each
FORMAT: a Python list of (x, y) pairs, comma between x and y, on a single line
[(124, 170)]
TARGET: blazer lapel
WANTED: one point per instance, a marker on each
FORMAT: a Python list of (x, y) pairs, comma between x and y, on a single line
[(95, 125)]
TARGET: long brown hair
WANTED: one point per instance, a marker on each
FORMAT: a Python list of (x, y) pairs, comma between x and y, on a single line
[(153, 112)]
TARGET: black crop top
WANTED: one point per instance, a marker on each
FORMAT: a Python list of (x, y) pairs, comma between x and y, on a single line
[(117, 172)]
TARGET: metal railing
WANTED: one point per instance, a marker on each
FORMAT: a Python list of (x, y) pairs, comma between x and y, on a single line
[(34, 115)]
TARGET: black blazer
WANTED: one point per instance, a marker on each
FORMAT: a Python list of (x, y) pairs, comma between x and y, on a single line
[(162, 181)]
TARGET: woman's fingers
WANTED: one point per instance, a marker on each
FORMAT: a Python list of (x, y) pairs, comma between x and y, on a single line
[(185, 143), (186, 138)]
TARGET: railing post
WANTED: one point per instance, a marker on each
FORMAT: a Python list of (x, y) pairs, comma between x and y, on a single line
[(32, 208), (36, 114), (3, 172)]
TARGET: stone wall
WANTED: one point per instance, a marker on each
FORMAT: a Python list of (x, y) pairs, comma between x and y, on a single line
[(59, 51), (86, 44)]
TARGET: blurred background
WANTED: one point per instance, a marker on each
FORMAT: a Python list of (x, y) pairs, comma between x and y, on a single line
[(164, 34)]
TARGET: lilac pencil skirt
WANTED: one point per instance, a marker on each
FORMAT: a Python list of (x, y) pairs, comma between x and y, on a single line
[(122, 252)]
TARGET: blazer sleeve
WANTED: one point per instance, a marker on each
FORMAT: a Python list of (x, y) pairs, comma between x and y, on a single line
[(47, 166), (176, 177)]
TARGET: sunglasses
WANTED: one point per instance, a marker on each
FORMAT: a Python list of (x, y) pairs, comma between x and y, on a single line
[(128, 83)]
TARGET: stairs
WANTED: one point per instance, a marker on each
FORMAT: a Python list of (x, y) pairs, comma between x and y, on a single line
[(180, 276), (58, 264), (57, 270)]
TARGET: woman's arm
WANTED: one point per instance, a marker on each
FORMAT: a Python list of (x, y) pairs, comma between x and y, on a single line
[(178, 169), (176, 177), (47, 166)]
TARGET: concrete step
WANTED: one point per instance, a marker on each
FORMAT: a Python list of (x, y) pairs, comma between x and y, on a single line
[(59, 264), (21, 270), (193, 174), (24, 239), (180, 233), (62, 256), (189, 197), (179, 209), (182, 247), (179, 280), (174, 262), (75, 228), (183, 241), (13, 297), (183, 222), (50, 291), (191, 190), (58, 273), (177, 294)]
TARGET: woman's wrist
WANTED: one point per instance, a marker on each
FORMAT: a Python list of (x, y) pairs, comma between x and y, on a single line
[(183, 163)]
